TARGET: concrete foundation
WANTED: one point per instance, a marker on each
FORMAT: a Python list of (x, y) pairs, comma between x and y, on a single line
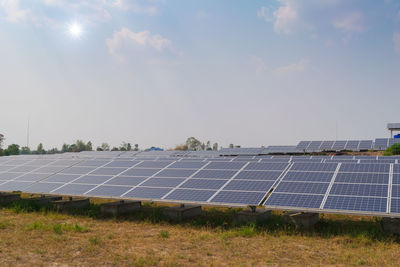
[(391, 225), (44, 200), (120, 207), (182, 212), (252, 216), (301, 219), (70, 204), (6, 198)]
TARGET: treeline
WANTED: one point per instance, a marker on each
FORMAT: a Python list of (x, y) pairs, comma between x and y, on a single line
[(193, 143), (78, 146)]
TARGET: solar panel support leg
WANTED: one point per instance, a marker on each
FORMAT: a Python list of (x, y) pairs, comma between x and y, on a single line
[(252, 215), (120, 207), (6, 198), (391, 225), (182, 212), (301, 219)]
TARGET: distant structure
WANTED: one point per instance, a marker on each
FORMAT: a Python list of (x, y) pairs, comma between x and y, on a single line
[(393, 127)]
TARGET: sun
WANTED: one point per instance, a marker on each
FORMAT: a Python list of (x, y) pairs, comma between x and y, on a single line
[(75, 30)]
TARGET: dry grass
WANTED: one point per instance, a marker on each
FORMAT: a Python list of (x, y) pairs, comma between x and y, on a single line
[(43, 238)]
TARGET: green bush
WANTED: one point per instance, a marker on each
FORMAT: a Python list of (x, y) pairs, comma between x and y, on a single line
[(392, 150)]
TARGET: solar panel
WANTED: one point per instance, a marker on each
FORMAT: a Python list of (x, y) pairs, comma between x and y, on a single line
[(190, 195), (237, 197), (291, 201), (302, 187), (351, 203)]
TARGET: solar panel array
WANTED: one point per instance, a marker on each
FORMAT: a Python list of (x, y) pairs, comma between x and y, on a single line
[(368, 185), (351, 145)]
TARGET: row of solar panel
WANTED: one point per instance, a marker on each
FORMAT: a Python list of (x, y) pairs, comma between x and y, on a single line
[(244, 183), (351, 145)]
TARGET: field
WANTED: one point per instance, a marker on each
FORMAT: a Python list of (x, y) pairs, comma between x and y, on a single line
[(35, 236)]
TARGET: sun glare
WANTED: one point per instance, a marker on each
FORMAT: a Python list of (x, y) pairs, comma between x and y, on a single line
[(75, 30)]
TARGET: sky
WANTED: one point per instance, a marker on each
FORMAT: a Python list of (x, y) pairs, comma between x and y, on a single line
[(252, 73)]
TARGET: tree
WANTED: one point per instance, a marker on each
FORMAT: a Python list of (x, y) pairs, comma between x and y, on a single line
[(1, 141), (125, 146), (53, 151), (181, 147), (193, 144), (136, 147), (393, 150), (99, 149), (114, 149), (89, 146), (65, 148), (25, 150), (215, 146), (80, 146), (12, 150), (230, 145), (105, 147), (40, 149)]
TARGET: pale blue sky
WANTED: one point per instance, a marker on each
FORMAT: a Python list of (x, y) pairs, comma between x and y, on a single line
[(156, 72)]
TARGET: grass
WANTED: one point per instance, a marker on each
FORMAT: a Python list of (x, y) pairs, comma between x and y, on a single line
[(31, 235)]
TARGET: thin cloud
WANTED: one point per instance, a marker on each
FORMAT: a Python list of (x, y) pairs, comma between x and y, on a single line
[(291, 68), (352, 22), (396, 42), (143, 39)]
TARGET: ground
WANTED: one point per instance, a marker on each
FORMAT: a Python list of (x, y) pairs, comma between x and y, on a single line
[(39, 236)]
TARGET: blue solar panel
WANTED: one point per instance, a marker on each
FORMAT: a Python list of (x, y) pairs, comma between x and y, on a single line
[(264, 186), (361, 178), (237, 197), (73, 189), (225, 165), (373, 190), (203, 184), (24, 168), (78, 170), (321, 167), (92, 163), (276, 166), (9, 175), (154, 164), (109, 191), (396, 168), (140, 172), (258, 175), (308, 176), (219, 174), (122, 163), (339, 145), (42, 187), (92, 179), (301, 188), (396, 191), (108, 171), (395, 205), (351, 203), (126, 180), (50, 169), (163, 182), (32, 177), (175, 173), (396, 178), (350, 167), (4, 168), (62, 178), (65, 162), (190, 195), (148, 192), (294, 200), (14, 186), (188, 165)]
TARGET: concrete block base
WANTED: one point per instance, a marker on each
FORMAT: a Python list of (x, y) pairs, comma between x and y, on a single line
[(70, 204), (182, 212), (252, 216), (120, 207), (44, 200), (391, 225), (6, 198), (301, 220)]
